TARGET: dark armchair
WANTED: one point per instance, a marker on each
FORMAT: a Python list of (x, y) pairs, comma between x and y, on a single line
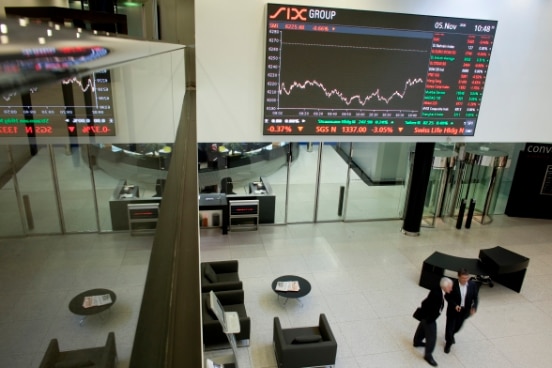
[(232, 301), (103, 356), (304, 346), (220, 276)]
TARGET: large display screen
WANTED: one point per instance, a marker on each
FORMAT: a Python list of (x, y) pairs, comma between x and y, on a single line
[(347, 72)]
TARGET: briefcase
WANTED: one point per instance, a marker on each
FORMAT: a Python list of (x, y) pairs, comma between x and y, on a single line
[(418, 314)]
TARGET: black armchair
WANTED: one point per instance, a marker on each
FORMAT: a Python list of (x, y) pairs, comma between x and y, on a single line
[(100, 357), (304, 346), (220, 276), (232, 301)]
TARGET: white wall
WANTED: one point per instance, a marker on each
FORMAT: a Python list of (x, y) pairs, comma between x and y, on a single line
[(230, 37)]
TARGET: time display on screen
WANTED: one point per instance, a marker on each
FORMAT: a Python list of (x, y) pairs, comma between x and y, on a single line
[(350, 72)]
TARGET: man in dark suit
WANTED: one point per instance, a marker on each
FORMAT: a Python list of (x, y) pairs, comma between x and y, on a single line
[(431, 308), (461, 303)]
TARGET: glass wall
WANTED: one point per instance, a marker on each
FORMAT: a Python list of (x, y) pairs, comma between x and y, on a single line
[(303, 184), (333, 181), (38, 193), (11, 218), (127, 173), (377, 186), (243, 169), (86, 188), (75, 188)]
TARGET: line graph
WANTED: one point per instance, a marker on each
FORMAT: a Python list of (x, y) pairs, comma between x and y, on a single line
[(81, 100), (346, 72), (50, 95), (83, 86), (351, 72), (363, 101)]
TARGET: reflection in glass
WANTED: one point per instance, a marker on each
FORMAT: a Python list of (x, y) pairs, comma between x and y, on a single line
[(243, 170), (10, 216), (302, 184), (128, 173), (75, 188), (38, 193), (378, 187), (333, 179)]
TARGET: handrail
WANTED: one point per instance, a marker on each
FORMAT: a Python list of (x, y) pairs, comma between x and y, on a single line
[(168, 333)]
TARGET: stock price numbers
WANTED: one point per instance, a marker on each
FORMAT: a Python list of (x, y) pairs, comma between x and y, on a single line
[(280, 129)]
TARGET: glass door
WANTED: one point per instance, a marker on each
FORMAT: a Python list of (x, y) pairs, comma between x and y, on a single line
[(377, 183), (75, 187), (486, 184), (438, 186), (333, 179), (477, 184)]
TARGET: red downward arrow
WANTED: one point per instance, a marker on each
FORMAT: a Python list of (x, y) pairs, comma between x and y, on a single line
[(71, 129)]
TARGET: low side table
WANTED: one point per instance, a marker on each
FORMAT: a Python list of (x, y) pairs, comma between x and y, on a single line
[(304, 288), (75, 305)]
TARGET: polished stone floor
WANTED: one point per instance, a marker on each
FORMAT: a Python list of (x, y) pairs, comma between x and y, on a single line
[(364, 277)]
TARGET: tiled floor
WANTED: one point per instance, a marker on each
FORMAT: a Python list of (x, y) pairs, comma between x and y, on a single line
[(364, 277)]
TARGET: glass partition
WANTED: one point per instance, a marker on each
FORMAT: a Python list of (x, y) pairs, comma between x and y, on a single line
[(302, 184), (377, 186), (127, 173), (10, 216), (75, 188), (333, 181), (247, 170), (39, 194), (84, 188)]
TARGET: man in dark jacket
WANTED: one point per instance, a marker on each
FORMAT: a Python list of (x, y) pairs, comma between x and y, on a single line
[(431, 308), (461, 303)]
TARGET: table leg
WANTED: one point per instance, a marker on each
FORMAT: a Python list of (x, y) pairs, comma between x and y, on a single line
[(82, 320)]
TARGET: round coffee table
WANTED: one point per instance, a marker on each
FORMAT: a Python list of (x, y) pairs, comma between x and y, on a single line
[(304, 288), (76, 307)]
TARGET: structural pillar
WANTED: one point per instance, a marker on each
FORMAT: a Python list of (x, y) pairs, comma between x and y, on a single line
[(419, 179)]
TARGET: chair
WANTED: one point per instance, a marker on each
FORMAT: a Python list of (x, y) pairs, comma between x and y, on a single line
[(99, 357), (232, 301), (220, 276), (227, 186), (304, 346)]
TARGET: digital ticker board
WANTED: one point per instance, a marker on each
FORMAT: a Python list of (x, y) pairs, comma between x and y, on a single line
[(348, 72)]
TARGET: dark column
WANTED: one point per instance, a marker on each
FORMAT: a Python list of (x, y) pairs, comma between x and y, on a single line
[(423, 160)]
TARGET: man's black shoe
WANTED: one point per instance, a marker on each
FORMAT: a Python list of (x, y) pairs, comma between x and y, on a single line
[(430, 360), (419, 344), (447, 348)]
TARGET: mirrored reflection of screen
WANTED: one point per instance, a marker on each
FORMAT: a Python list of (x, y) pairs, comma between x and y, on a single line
[(72, 107), (348, 72)]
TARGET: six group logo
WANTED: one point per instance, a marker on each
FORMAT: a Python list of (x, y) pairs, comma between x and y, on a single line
[(302, 14)]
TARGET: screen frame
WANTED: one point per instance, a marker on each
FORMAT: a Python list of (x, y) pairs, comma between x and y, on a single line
[(290, 18)]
